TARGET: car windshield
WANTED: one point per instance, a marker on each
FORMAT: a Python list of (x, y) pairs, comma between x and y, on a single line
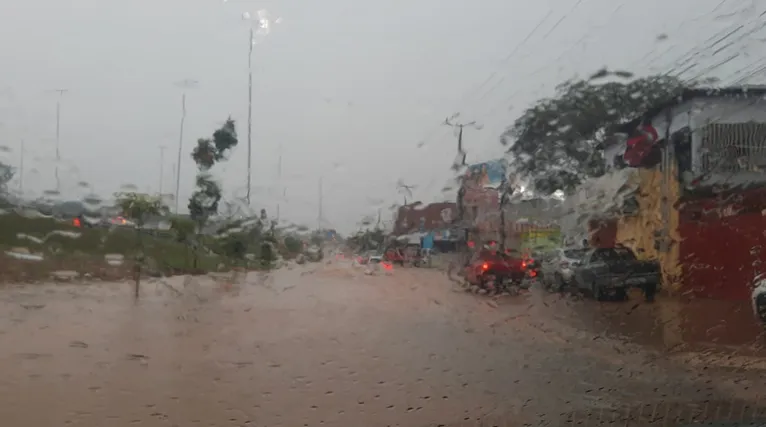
[(373, 213)]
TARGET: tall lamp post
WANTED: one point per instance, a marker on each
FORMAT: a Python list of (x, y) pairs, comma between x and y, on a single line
[(260, 25), (185, 84), (61, 93)]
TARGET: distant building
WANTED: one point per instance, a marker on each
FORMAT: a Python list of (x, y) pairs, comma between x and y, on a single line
[(417, 217), (527, 223)]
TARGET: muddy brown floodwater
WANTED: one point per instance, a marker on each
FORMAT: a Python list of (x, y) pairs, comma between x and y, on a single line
[(316, 345)]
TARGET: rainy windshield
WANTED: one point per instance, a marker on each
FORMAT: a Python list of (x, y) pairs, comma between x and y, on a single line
[(613, 254), (357, 213), (575, 253)]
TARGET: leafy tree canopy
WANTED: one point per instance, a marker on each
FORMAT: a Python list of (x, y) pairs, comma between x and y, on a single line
[(183, 227), (6, 175), (204, 201), (557, 143)]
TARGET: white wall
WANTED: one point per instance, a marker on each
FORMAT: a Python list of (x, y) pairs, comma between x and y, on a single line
[(722, 110)]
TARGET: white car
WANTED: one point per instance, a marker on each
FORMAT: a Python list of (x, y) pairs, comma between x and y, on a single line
[(759, 296), (558, 266)]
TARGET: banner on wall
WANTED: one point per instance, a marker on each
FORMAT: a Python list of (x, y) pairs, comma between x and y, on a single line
[(486, 175)]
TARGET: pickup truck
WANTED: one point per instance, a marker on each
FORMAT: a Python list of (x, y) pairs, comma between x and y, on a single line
[(605, 271)]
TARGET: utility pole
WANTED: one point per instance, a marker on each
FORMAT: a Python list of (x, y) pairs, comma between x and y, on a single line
[(405, 190), (61, 93), (162, 167), (21, 171), (185, 85), (450, 121)]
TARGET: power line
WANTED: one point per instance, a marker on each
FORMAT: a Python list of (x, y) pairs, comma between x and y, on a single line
[(478, 87)]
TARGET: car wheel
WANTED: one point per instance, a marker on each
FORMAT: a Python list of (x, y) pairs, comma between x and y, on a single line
[(621, 294), (597, 292), (557, 283), (492, 282), (760, 306)]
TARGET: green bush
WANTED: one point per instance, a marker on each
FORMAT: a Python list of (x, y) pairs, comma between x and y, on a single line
[(164, 247)]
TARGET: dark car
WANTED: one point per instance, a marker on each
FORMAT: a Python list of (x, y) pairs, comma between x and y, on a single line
[(606, 271)]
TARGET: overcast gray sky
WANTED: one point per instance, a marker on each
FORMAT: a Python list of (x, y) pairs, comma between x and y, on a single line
[(353, 90)]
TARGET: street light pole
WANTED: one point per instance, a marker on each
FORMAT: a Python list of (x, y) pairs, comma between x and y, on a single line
[(162, 167), (185, 84), (61, 93), (319, 215), (263, 21), (21, 171), (249, 114)]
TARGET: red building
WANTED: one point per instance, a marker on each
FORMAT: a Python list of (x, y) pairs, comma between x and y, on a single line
[(702, 215)]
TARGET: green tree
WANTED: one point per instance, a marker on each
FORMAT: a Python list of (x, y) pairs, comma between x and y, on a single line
[(557, 143), (139, 207), (6, 175), (293, 245), (204, 201)]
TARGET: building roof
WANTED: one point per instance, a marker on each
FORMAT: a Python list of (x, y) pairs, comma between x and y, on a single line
[(688, 94)]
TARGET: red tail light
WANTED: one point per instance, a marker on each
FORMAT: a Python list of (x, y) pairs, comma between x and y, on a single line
[(532, 273), (523, 264), (485, 266)]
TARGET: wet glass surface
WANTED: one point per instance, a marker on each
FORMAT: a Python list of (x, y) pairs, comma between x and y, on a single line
[(273, 214)]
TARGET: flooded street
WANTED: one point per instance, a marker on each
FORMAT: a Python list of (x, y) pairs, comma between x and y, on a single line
[(316, 345)]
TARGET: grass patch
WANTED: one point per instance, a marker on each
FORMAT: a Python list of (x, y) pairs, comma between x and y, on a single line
[(165, 255)]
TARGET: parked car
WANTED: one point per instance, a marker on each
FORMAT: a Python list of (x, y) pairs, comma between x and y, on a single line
[(558, 267), (605, 271), (364, 257), (394, 256), (314, 253), (488, 268)]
